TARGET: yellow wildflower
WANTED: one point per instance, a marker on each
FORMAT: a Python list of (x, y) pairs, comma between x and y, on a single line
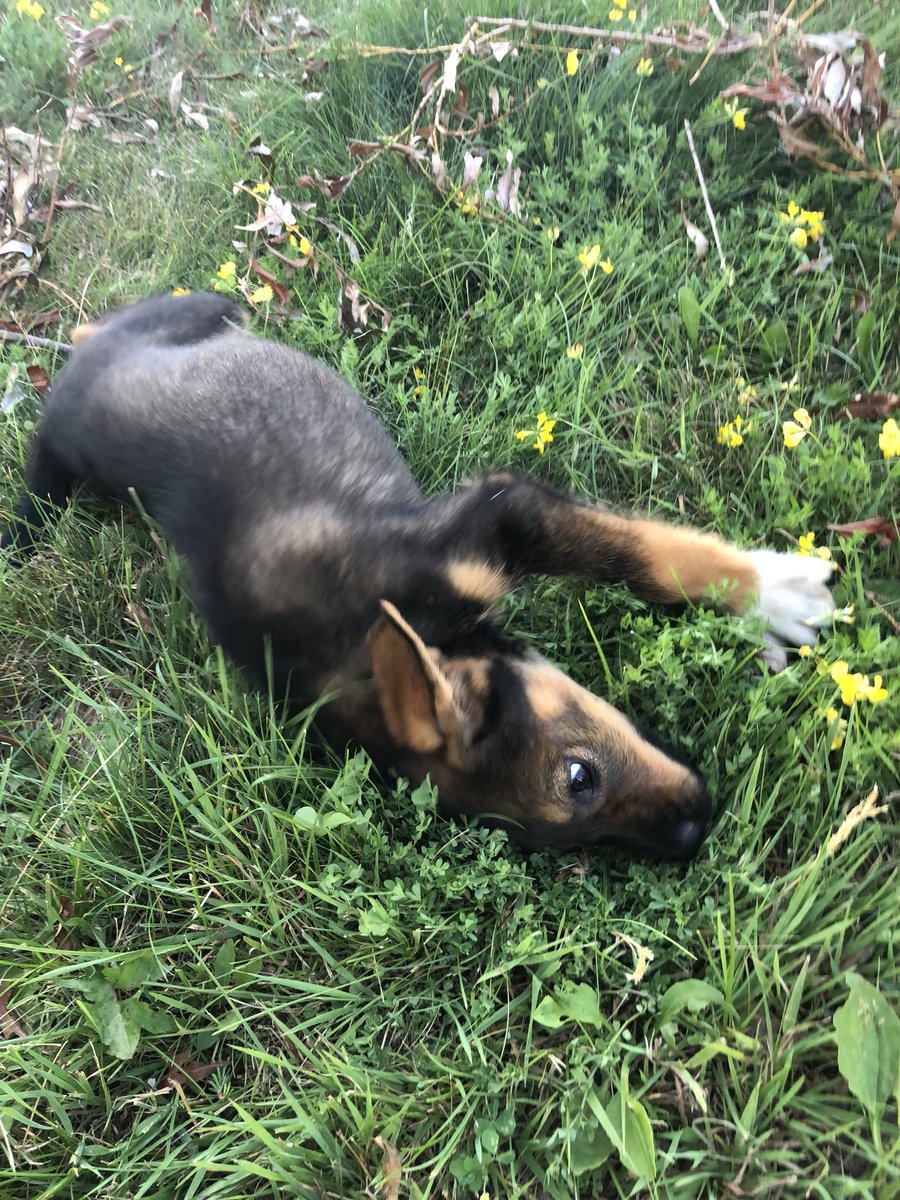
[(844, 615), (852, 685), (839, 724), (98, 10), (588, 257), (799, 238), (575, 351), (606, 267), (118, 60), (808, 550), (419, 389), (793, 211), (260, 189), (616, 14), (543, 434), (552, 232), (572, 62), (737, 114), (889, 439), (795, 431), (227, 270), (644, 67), (181, 291), (745, 393), (730, 434), (804, 651), (814, 222), (30, 8), (262, 295), (632, 15)]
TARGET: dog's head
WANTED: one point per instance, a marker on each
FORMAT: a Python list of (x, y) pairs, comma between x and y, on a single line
[(515, 742)]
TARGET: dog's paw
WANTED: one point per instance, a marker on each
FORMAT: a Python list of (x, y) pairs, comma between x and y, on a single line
[(792, 598)]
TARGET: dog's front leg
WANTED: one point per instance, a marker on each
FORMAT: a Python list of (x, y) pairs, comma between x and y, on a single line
[(527, 528)]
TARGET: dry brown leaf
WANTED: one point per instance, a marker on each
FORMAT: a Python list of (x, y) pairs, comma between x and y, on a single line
[(275, 284), (181, 1070), (390, 1171), (873, 406), (794, 142), (9, 1025), (886, 530), (38, 377), (507, 194), (332, 187), (895, 225), (84, 43), (260, 150), (471, 167), (698, 238), (821, 263), (777, 89), (494, 97)]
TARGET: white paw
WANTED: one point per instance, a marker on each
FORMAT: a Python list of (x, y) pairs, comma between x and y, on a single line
[(791, 596)]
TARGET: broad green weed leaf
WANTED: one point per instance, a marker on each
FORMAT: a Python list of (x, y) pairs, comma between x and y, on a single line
[(691, 994), (139, 1012), (868, 1040), (690, 313), (223, 963), (120, 1031), (864, 336), (589, 1148), (135, 970), (625, 1122), (579, 1003), (775, 341)]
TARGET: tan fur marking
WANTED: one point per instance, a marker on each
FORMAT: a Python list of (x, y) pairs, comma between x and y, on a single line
[(82, 332), (547, 693), (478, 580), (686, 564)]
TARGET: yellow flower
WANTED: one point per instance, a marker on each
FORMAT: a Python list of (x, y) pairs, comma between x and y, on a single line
[(644, 67), (738, 118), (632, 15), (814, 221), (305, 246), (745, 394), (98, 10), (572, 62), (793, 211), (804, 651), (889, 439), (606, 267), (874, 692), (419, 374), (181, 291), (260, 189), (852, 685), (799, 238), (840, 725), (616, 14), (845, 614), (795, 431), (619, 3), (808, 550), (552, 232), (575, 351), (30, 8), (262, 295), (118, 60), (730, 434), (227, 270), (543, 434), (588, 257)]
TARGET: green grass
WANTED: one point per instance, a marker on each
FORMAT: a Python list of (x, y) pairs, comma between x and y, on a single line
[(231, 959)]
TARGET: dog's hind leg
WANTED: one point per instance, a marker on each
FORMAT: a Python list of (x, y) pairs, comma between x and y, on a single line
[(523, 527), (48, 484)]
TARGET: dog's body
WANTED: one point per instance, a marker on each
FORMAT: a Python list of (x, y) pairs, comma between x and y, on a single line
[(306, 537)]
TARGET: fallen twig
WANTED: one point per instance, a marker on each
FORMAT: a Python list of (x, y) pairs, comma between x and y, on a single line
[(705, 193), (36, 343), (695, 42)]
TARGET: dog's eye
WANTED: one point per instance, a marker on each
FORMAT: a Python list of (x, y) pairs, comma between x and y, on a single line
[(581, 777)]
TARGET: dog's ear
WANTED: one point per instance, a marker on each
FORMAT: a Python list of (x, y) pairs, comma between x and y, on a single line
[(416, 696)]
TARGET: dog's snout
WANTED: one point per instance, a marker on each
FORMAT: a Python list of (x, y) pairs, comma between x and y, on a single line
[(681, 839)]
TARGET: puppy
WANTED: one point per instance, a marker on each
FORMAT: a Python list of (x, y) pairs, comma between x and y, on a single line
[(309, 546)]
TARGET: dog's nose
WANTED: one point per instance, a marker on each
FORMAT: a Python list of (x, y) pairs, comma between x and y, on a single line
[(680, 839)]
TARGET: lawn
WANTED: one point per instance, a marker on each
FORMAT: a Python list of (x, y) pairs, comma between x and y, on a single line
[(233, 963)]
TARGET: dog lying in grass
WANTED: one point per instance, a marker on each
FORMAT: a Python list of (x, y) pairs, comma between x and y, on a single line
[(310, 548)]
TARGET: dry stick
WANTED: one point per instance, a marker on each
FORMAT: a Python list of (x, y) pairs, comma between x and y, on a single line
[(30, 340), (696, 44), (717, 13), (705, 193)]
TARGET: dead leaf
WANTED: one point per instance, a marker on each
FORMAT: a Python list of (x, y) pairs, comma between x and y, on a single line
[(428, 72), (181, 1070), (38, 377), (175, 88), (697, 236), (275, 284), (195, 118), (16, 246), (331, 188), (354, 308), (84, 43), (274, 211), (795, 143), (122, 138), (62, 939), (390, 1171), (81, 116), (823, 260), (895, 225), (439, 171), (886, 530), (873, 64), (873, 406), (508, 187), (500, 50), (471, 167), (494, 97), (448, 82), (777, 89), (9, 1025), (260, 150)]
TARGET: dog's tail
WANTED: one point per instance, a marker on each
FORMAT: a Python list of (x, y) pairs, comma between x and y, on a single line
[(167, 320)]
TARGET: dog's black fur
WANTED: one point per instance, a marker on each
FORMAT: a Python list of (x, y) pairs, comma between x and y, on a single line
[(303, 530)]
